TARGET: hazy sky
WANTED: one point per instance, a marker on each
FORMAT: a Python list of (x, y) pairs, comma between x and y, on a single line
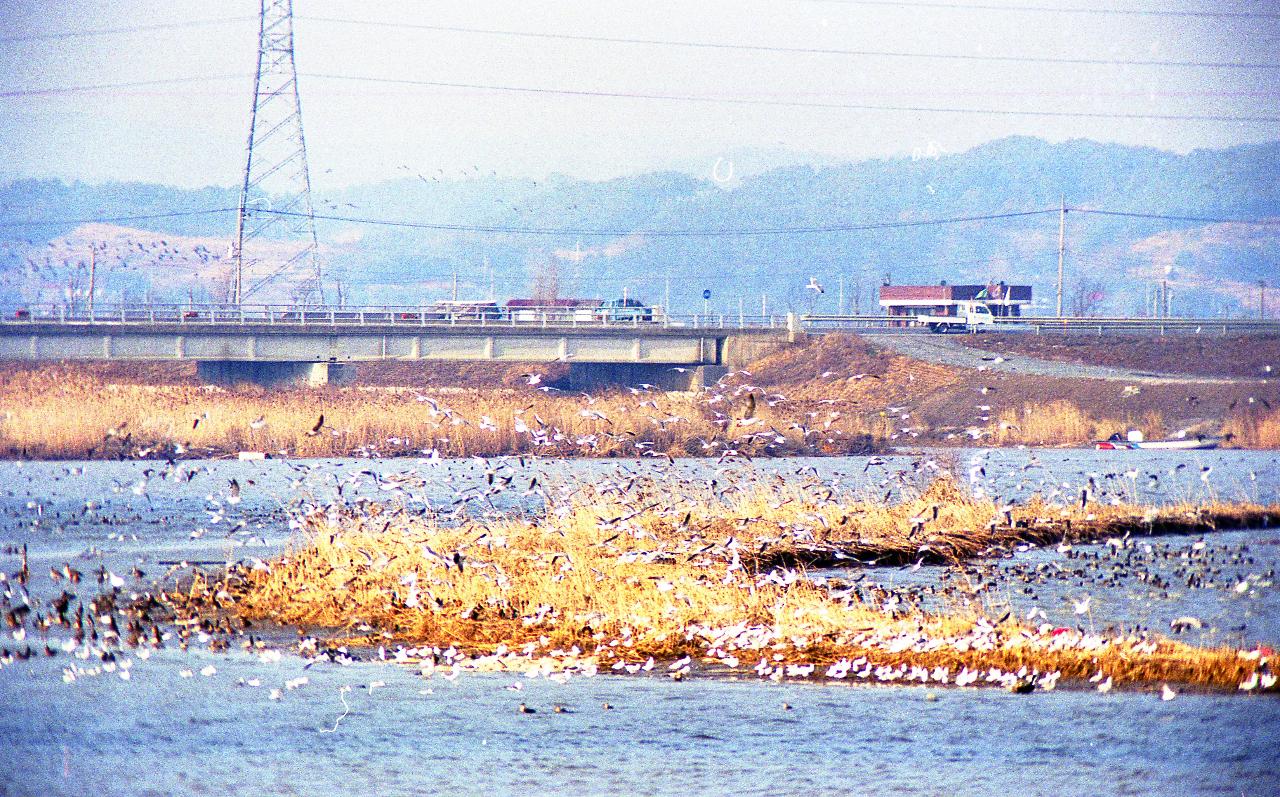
[(192, 133)]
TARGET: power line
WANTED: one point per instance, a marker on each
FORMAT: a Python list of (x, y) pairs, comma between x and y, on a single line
[(132, 84), (92, 87), (794, 103), (146, 28), (799, 50), (1163, 217), (517, 230), (114, 219), (668, 233), (1135, 12), (689, 233)]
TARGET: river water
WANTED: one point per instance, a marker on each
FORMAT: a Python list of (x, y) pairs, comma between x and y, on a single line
[(200, 722)]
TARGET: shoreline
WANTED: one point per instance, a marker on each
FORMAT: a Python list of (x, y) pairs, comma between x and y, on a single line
[(430, 455)]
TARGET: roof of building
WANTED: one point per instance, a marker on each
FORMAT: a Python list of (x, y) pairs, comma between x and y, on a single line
[(955, 293)]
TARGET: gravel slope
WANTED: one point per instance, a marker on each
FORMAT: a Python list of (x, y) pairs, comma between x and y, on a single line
[(949, 350)]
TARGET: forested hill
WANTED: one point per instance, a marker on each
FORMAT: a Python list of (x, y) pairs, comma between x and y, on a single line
[(764, 234)]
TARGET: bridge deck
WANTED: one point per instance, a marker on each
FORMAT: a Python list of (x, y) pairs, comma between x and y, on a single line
[(269, 343)]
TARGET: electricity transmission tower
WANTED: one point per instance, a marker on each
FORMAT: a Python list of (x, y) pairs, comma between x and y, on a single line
[(277, 149)]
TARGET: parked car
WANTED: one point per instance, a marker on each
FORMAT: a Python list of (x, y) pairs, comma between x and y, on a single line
[(624, 310)]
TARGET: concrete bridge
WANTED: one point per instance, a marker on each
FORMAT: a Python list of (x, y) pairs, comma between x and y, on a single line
[(319, 347)]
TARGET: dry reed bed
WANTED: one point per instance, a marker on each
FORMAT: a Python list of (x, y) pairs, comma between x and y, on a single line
[(613, 582), (1255, 429), (1065, 423), (60, 413), (58, 416)]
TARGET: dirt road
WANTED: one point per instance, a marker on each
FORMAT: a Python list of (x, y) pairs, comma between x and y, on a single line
[(949, 350)]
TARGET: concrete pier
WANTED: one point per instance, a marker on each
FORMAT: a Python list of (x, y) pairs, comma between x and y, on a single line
[(274, 374)]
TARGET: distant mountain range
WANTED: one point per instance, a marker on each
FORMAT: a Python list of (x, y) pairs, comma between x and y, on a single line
[(757, 235)]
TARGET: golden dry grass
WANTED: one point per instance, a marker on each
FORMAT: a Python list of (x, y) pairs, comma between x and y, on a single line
[(64, 415), (1065, 423), (1255, 429), (619, 580)]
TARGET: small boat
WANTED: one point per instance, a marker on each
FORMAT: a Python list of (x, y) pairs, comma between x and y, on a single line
[(1135, 441)]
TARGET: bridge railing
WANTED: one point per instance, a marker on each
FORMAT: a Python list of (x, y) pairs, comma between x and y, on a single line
[(381, 316), (485, 315)]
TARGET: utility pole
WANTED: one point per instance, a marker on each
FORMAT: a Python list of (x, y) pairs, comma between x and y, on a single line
[(276, 146), (455, 284), (666, 294), (1062, 247), (493, 296), (764, 305), (93, 275), (840, 302)]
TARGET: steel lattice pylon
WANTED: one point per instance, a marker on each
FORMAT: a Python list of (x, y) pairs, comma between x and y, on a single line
[(277, 148)]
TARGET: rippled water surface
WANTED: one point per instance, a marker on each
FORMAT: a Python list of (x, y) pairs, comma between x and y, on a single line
[(199, 722)]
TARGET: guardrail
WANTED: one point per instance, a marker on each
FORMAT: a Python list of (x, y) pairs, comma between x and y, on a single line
[(837, 323), (1150, 326), (1059, 326), (382, 316)]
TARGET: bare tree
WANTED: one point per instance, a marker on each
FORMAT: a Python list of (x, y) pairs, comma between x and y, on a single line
[(1087, 297), (546, 278)]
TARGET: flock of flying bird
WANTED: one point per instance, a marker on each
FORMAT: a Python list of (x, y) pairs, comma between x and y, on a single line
[(123, 620), (729, 407)]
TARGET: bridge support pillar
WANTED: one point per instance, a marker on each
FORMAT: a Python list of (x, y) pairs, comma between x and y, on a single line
[(739, 351), (595, 376), (269, 374)]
